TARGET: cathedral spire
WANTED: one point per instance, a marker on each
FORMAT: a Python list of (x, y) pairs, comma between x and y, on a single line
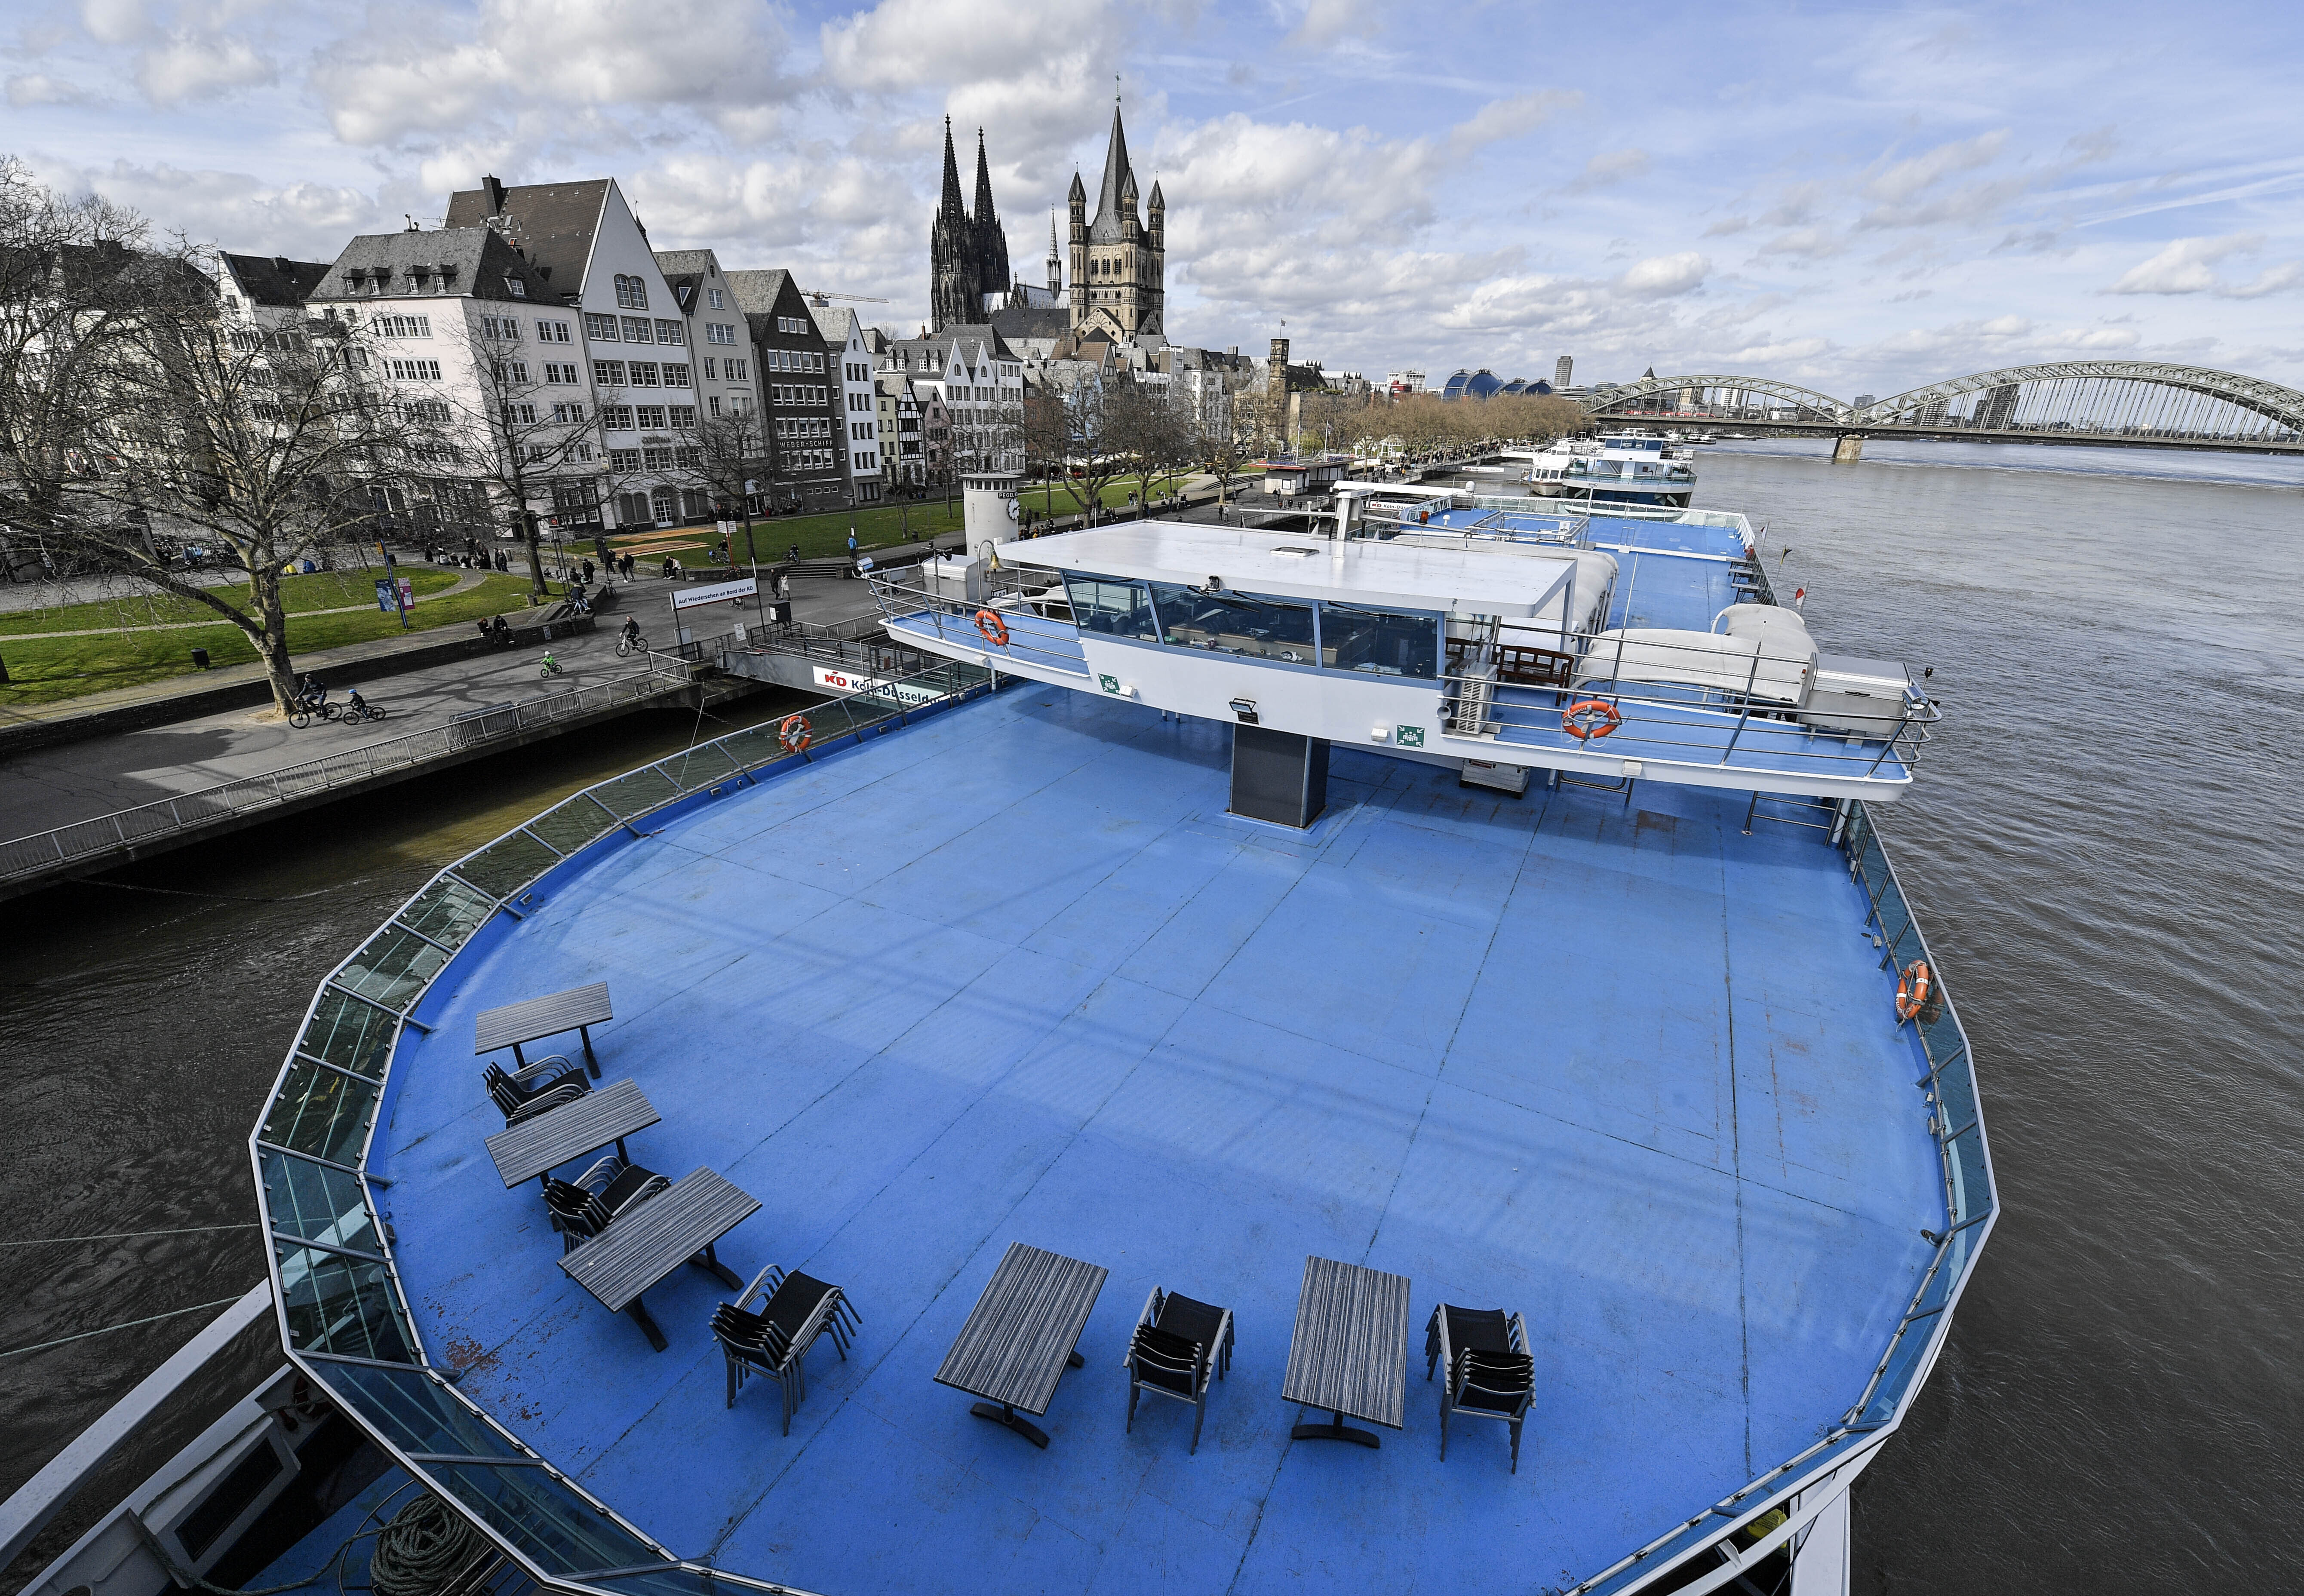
[(952, 207), (983, 214)]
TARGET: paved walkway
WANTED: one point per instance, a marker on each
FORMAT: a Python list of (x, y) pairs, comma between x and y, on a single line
[(52, 787)]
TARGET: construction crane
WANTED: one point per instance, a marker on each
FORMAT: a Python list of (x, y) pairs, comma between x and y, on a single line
[(821, 296)]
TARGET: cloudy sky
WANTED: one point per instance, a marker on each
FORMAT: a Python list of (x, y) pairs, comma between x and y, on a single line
[(1861, 198)]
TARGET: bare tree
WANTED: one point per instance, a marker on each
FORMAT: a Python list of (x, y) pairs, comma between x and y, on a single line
[(520, 442), (262, 444), (76, 287), (731, 456)]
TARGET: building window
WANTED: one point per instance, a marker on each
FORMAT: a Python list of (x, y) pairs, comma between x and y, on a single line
[(719, 333), (669, 332), (643, 373), (567, 412), (517, 371), (403, 326), (675, 375), (683, 417), (504, 327), (715, 403), (414, 371), (555, 372), (521, 415), (650, 417), (516, 288), (608, 373), (600, 329), (623, 459), (665, 502), (552, 332), (637, 330), (616, 418), (713, 297), (740, 404), (711, 374), (632, 293), (739, 371)]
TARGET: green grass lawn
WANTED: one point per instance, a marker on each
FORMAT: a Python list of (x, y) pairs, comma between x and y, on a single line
[(44, 670), (878, 526)]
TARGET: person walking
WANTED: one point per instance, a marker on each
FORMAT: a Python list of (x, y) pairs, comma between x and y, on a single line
[(588, 573), (629, 561)]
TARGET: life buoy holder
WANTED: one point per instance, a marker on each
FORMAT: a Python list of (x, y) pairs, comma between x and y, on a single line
[(794, 734), (1590, 719), (995, 630), (1912, 989)]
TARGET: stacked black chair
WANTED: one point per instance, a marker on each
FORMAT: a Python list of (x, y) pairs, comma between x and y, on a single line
[(544, 1085), (1490, 1373), (584, 1207), (1177, 1344), (798, 1310)]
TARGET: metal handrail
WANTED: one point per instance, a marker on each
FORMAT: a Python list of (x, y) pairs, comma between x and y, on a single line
[(39, 851), (898, 602)]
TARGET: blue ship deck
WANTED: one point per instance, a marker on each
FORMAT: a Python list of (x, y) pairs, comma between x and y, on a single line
[(1013, 974)]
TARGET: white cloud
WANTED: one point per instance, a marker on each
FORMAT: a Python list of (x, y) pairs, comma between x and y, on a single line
[(1661, 276), (1806, 243), (2187, 267), (1328, 21), (1499, 119), (37, 88), (1900, 183), (112, 22), (192, 66), (1612, 166)]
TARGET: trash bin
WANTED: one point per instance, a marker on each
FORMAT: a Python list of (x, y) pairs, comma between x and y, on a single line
[(199, 660)]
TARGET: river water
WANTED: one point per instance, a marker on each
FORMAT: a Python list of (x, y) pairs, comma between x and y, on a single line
[(2101, 845)]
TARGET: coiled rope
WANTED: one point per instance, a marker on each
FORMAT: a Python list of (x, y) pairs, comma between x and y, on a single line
[(427, 1549)]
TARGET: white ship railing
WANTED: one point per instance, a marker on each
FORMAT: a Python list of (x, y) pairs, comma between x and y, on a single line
[(341, 1309)]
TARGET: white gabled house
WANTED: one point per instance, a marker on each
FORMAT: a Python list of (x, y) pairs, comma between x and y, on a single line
[(631, 333)]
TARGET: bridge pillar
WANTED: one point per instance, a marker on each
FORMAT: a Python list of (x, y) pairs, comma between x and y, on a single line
[(1848, 446)]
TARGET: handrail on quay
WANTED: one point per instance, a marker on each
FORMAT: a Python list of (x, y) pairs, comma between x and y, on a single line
[(342, 1313), (38, 852)]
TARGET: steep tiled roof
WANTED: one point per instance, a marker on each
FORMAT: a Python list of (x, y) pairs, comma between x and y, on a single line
[(274, 280), (554, 224)]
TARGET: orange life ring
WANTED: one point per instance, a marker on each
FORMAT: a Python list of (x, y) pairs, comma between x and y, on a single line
[(1592, 718), (1912, 989), (793, 734), (995, 630)]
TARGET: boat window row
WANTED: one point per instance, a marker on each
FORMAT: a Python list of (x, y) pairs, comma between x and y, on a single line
[(1292, 631)]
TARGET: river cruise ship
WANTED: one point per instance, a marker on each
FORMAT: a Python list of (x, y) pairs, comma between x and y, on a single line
[(1632, 470), (1377, 1058)]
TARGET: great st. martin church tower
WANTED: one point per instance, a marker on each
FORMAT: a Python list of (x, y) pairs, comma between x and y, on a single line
[(1119, 264)]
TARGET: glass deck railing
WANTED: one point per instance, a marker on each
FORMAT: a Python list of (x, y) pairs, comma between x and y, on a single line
[(1955, 1121), (342, 1311)]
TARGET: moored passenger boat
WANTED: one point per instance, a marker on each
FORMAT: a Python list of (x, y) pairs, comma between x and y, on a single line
[(1458, 940)]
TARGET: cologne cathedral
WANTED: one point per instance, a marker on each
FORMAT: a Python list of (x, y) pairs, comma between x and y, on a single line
[(1118, 259)]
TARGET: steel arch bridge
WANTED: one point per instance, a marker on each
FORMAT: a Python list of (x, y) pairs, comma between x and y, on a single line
[(2139, 403)]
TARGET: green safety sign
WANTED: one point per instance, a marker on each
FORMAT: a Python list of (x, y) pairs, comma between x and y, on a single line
[(1410, 737), (1111, 683)]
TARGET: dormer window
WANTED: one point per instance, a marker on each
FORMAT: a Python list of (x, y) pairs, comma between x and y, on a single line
[(632, 293), (516, 287)]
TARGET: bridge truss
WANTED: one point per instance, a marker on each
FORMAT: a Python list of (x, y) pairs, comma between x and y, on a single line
[(2118, 401)]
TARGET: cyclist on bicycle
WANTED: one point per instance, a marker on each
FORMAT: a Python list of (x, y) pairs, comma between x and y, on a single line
[(356, 706), (631, 632)]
